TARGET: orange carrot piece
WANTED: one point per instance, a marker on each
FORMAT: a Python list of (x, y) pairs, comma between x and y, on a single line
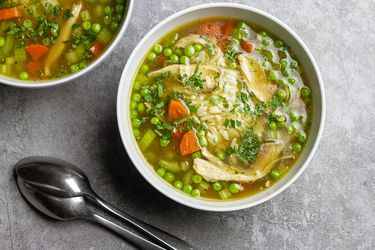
[(247, 46), (36, 51), (10, 13), (177, 109), (96, 49), (189, 143)]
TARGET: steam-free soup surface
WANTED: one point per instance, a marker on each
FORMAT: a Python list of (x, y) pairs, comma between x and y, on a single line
[(220, 109), (47, 39)]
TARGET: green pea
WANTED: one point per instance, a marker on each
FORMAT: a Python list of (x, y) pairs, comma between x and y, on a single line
[(86, 25), (133, 114), (229, 151), (151, 56), (154, 120), (197, 179), (293, 116), (200, 133), (136, 123), (187, 188), (145, 68), (118, 17), (96, 27), (115, 26), (198, 47), (282, 83), (283, 63), (178, 184), (273, 125), (136, 97), (189, 50), (119, 8), (265, 64), (266, 42), (305, 92), (195, 193), (74, 68), (216, 186), (161, 172), (169, 177), (82, 65), (275, 174), (281, 124), (144, 91), (164, 142), (301, 138), (185, 60), (297, 147), (133, 105), (221, 155), (281, 94), (174, 58), (196, 155), (285, 72), (293, 64), (203, 142), (292, 80), (272, 75), (108, 10), (27, 24), (141, 108), (278, 44), (136, 132), (234, 188), (158, 48), (23, 75), (167, 52)]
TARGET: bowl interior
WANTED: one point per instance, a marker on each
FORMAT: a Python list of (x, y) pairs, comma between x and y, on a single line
[(233, 11), (54, 82)]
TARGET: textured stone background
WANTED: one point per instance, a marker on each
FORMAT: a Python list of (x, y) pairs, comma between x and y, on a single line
[(332, 205)]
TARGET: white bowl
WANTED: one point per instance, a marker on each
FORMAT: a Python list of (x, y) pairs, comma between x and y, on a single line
[(237, 11), (54, 82)]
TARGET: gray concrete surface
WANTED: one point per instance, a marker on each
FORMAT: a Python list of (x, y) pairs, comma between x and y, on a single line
[(331, 206)]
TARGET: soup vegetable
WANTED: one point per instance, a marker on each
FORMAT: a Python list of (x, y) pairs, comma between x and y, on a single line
[(219, 108), (47, 39)]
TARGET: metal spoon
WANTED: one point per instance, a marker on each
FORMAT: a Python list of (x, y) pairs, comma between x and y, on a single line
[(75, 208), (59, 178)]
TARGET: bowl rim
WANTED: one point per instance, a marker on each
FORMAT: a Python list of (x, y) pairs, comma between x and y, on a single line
[(139, 166), (59, 81)]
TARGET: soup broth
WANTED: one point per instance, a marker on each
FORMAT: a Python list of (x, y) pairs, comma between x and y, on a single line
[(221, 109), (47, 39)]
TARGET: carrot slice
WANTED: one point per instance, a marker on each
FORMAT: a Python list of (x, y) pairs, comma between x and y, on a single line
[(96, 49), (247, 46), (36, 51), (177, 109), (189, 143), (211, 29), (9, 13)]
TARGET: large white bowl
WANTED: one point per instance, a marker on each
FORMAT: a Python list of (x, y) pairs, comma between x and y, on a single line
[(54, 82), (237, 11)]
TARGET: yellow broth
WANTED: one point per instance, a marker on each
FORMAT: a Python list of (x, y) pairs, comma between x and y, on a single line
[(47, 39), (161, 148)]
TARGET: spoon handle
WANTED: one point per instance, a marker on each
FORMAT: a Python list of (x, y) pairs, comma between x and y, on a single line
[(167, 240), (138, 241)]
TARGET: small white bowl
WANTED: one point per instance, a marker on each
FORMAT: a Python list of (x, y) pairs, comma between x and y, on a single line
[(254, 16), (54, 82)]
